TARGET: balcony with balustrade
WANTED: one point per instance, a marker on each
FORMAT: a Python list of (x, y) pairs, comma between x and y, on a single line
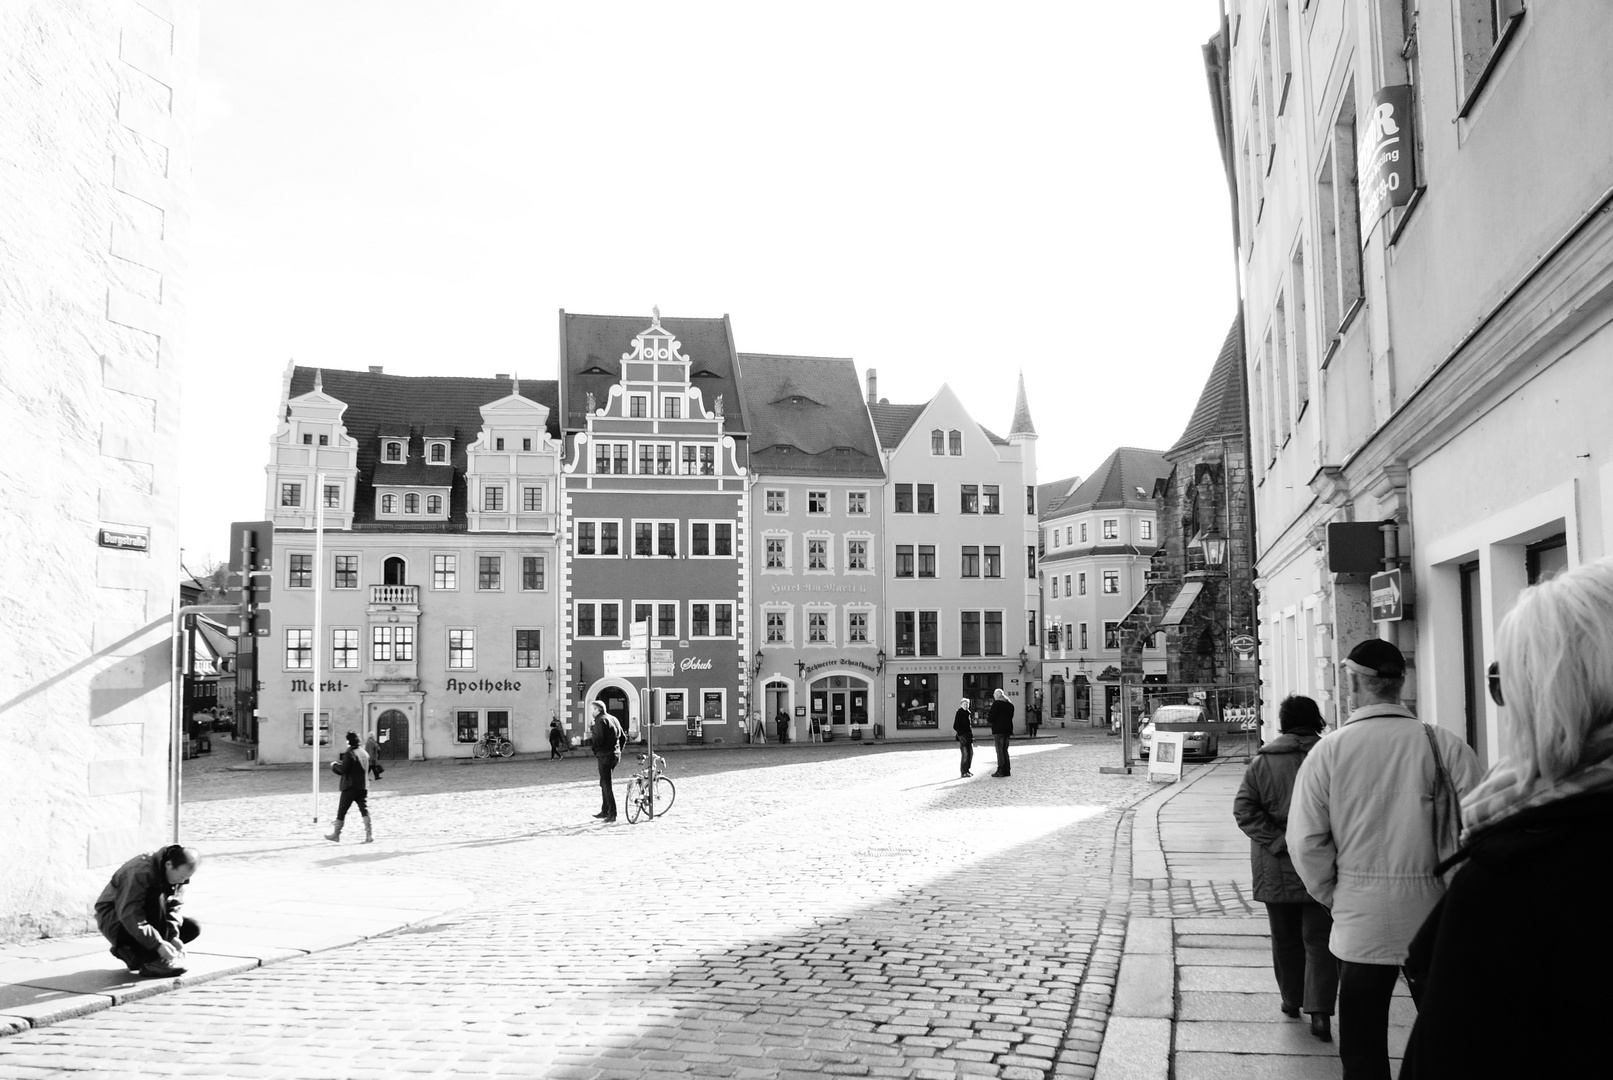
[(394, 596)]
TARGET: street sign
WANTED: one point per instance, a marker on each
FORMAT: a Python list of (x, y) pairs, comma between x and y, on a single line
[(1387, 597), (629, 663), (1243, 644), (641, 635)]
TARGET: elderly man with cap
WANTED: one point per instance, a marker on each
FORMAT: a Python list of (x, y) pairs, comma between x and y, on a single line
[(1361, 835)]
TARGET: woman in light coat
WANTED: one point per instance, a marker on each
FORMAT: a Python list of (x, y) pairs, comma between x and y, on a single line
[(1307, 974), (1511, 968)]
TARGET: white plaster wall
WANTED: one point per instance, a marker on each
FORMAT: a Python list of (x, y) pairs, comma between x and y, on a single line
[(94, 189)]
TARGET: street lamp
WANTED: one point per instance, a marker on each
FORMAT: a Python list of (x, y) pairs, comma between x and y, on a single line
[(800, 668), (548, 673), (880, 656), (1024, 659), (756, 668), (1215, 549)]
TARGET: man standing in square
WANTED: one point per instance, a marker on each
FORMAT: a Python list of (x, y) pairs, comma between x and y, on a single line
[(1001, 716), (1361, 835)]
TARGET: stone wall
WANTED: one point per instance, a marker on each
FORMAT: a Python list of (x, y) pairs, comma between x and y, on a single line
[(93, 215)]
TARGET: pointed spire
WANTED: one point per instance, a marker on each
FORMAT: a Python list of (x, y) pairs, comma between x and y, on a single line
[(319, 381), (515, 383), (1022, 413)]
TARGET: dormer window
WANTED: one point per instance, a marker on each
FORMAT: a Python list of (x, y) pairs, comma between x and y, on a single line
[(937, 442), (389, 504), (438, 453), (411, 503), (308, 438), (433, 504), (393, 451), (324, 440)]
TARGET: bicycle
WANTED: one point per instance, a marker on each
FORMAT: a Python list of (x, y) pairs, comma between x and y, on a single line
[(638, 790), (493, 743)]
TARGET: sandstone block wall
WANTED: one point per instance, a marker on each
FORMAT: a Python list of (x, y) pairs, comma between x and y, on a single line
[(94, 189)]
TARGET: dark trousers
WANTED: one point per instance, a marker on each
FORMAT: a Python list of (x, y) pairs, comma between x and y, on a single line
[(348, 798), (1307, 974), (966, 748), (1002, 753), (607, 804), (156, 913), (1364, 993)]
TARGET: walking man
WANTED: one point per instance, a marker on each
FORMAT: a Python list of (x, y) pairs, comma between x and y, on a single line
[(1001, 715), (782, 720), (962, 725), (607, 743), (557, 739), (1361, 835), (372, 747), (353, 767), (138, 911)]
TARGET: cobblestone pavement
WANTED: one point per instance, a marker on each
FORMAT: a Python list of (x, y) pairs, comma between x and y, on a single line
[(800, 912)]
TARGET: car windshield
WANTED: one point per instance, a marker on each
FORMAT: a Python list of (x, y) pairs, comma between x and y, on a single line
[(1178, 714)]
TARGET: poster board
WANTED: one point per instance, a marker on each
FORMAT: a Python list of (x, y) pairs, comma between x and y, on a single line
[(1165, 756)]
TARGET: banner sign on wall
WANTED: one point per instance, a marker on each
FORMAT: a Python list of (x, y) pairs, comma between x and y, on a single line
[(1385, 162)]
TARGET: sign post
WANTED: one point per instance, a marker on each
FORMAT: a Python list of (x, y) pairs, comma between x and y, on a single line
[(319, 611), (1388, 596)]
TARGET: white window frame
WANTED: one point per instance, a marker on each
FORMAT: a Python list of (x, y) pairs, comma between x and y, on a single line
[(787, 539), (662, 693), (716, 459), (1111, 528), (870, 626), (733, 619), (291, 557), (672, 407), (452, 571), (411, 499), (655, 605), (358, 570), (354, 651), (852, 509), (543, 563), (827, 540), (479, 556), (767, 500), (827, 611), (1083, 534), (388, 506), (824, 498), (1081, 584), (447, 452), (1055, 583), (515, 648), (954, 443), (439, 511), (938, 443), (1111, 577), (712, 525), (403, 452), (638, 406), (784, 611), (332, 504), (1145, 528), (655, 538), (599, 536), (494, 493), (722, 691), (867, 541), (448, 648), (392, 632), (527, 493), (286, 647), (598, 606)]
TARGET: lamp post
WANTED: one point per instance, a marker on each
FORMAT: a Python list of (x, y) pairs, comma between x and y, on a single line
[(756, 666)]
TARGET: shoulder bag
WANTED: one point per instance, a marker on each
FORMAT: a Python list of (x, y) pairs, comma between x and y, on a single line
[(1447, 806)]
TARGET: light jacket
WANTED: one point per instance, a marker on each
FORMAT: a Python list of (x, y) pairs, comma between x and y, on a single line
[(1261, 811), (1361, 830), (127, 902)]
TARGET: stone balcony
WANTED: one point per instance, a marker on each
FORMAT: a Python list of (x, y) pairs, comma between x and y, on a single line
[(395, 595)]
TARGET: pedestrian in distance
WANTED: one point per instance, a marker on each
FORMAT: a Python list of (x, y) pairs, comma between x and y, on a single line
[(1001, 717), (1033, 719), (782, 719), (607, 742), (1307, 974), (1362, 834), (557, 739), (138, 911), (372, 748), (758, 726), (962, 726), (1512, 964), (353, 767)]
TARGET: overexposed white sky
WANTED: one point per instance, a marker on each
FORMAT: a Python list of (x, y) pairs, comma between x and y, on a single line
[(943, 192)]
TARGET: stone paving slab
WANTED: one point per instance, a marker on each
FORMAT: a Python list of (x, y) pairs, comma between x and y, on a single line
[(1247, 1008), (1190, 957), (1135, 1048), (1223, 941), (1146, 986), (1231, 925), (1214, 1066), (1237, 980), (1241, 1037)]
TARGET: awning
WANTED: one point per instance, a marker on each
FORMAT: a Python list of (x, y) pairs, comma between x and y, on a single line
[(1184, 600)]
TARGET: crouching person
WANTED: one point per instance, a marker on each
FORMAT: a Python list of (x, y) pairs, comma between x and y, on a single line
[(138, 911)]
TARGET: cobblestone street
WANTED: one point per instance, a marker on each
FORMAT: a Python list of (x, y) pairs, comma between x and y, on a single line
[(840, 910)]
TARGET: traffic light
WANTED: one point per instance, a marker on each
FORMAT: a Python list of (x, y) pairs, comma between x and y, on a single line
[(251, 576)]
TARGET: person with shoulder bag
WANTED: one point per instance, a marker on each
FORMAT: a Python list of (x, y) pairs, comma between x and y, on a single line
[(1510, 969), (606, 740), (1307, 974), (353, 767)]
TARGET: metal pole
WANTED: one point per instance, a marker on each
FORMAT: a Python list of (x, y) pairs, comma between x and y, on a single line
[(177, 696), (649, 702), (319, 614)]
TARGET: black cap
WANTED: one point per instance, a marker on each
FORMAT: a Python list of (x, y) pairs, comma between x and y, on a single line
[(1377, 658)]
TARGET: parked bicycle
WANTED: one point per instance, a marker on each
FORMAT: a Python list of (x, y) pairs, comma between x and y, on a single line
[(493, 743), (639, 788)]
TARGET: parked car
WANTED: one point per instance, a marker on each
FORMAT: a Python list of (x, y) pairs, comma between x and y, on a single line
[(1199, 744)]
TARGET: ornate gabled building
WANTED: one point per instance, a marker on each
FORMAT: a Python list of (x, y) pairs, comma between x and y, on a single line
[(438, 579), (817, 531), (1200, 598), (960, 542), (655, 518)]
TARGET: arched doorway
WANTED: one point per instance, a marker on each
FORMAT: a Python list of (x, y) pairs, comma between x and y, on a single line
[(392, 732), (776, 701), (838, 704), (616, 703), (395, 571)]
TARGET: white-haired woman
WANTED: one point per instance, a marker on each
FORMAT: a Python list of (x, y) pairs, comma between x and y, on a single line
[(1513, 964), (963, 728)]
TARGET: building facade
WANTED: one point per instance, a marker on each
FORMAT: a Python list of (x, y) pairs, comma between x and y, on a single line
[(817, 533), (1421, 197), (438, 574), (1096, 539), (656, 523), (960, 540), (95, 211)]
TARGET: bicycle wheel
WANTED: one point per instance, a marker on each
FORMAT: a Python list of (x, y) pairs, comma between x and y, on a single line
[(635, 800), (506, 748), (479, 750), (665, 792)]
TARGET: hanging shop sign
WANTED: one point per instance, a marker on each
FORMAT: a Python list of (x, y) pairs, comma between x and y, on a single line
[(1386, 169)]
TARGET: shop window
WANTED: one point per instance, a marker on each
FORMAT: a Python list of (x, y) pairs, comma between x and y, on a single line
[(468, 725), (916, 701)]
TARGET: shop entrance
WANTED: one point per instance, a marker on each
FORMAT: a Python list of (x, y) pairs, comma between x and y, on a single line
[(392, 732), (615, 701), (776, 701), (839, 704)]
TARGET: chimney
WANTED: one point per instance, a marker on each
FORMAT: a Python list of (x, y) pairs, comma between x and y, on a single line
[(873, 386), (375, 369)]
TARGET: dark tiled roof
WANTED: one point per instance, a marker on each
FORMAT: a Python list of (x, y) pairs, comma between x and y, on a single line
[(1063, 554), (992, 436), (807, 417), (1114, 484), (591, 361), (1050, 496), (1220, 410), (399, 404), (414, 472), (1022, 412), (892, 422)]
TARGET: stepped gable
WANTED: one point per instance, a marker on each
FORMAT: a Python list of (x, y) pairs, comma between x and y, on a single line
[(806, 415), (591, 362), (412, 406), (1221, 408)]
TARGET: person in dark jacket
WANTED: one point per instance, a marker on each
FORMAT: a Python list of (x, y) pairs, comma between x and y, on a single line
[(353, 767), (605, 737), (1001, 716), (1510, 969), (372, 747), (557, 740), (963, 729), (138, 911), (1307, 974)]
